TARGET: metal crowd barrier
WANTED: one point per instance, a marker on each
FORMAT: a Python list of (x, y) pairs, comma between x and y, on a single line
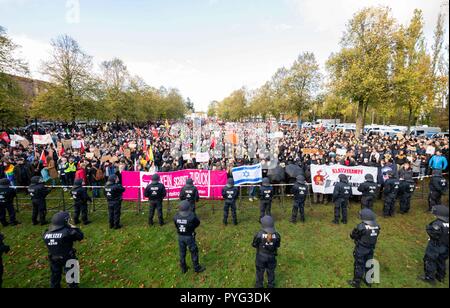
[(282, 195)]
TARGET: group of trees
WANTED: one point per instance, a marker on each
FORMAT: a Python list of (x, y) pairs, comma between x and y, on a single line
[(75, 92), (383, 73)]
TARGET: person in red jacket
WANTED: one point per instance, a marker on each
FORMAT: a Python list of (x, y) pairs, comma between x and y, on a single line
[(81, 173)]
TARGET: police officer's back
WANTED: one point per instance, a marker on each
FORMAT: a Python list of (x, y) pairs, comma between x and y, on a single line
[(7, 195), (365, 236), (390, 192), (369, 190), (266, 194), (190, 193), (155, 192), (436, 254), (81, 198), (59, 240), (406, 191), (438, 186), (341, 195), (38, 193), (230, 194), (186, 222), (113, 193), (267, 242), (300, 191)]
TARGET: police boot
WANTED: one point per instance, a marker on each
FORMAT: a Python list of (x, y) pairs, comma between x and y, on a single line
[(225, 222), (200, 269), (235, 222), (336, 221), (428, 280), (184, 268), (355, 284), (5, 223), (87, 222), (302, 219), (118, 227), (15, 223)]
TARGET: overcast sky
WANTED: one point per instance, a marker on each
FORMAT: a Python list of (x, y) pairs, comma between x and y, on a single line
[(205, 48)]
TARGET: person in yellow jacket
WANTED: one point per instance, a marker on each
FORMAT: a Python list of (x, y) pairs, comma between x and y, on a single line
[(70, 170)]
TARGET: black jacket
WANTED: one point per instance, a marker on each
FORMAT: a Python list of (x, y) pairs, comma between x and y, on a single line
[(267, 246), (113, 192), (368, 189), (300, 191), (155, 192), (60, 242), (266, 193), (186, 225), (438, 232), (366, 235), (230, 194), (189, 193), (342, 191), (7, 195), (406, 188), (438, 184), (80, 196), (391, 188), (38, 192)]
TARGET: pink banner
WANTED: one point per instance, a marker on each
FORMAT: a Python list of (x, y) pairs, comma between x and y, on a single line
[(208, 183)]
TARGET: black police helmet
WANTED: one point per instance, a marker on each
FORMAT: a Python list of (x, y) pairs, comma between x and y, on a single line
[(301, 179), (185, 208), (369, 178), (368, 216), (155, 178), (5, 182), (36, 180), (78, 183), (59, 221), (189, 182), (343, 178), (408, 177), (112, 179), (268, 224), (230, 182), (441, 212), (266, 182)]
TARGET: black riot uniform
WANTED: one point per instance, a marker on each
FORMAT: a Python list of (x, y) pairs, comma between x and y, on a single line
[(38, 193), (436, 254), (300, 191), (186, 222), (59, 240), (369, 190), (230, 194), (81, 198), (7, 195), (267, 241), (155, 192), (438, 186), (113, 193), (190, 193), (365, 236), (266, 194), (341, 194), (390, 192), (3, 249), (406, 190)]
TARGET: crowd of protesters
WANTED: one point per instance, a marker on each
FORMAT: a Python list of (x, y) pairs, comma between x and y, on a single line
[(109, 149)]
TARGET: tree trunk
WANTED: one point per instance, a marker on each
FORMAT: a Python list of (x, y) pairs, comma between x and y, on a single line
[(409, 120), (360, 119)]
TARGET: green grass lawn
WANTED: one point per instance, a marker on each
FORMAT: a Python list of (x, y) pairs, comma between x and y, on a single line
[(316, 254)]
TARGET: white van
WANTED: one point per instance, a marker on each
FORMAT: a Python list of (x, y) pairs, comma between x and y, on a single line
[(424, 131)]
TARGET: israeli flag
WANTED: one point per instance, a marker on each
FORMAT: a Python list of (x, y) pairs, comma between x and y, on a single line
[(247, 174)]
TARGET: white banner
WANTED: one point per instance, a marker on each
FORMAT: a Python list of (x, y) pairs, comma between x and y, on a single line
[(324, 178), (42, 139), (202, 157), (76, 144)]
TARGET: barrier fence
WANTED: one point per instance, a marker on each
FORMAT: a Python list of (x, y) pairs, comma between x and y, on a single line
[(61, 200)]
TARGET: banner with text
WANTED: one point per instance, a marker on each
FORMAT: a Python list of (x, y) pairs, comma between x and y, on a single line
[(324, 178), (209, 183)]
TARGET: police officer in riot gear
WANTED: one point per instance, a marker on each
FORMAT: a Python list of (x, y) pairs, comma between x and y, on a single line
[(390, 192), (230, 194), (190, 193), (186, 222), (59, 240), (341, 195), (266, 194), (300, 191), (436, 254), (267, 241), (3, 249), (438, 186), (369, 190), (7, 195), (81, 199), (38, 193), (365, 236), (113, 192), (155, 192), (406, 190)]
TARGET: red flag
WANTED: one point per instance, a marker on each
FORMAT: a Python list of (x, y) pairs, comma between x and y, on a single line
[(82, 148), (144, 147), (4, 136), (43, 159), (213, 143), (62, 151), (155, 133)]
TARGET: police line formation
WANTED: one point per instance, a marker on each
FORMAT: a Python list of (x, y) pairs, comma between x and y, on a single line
[(61, 235)]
